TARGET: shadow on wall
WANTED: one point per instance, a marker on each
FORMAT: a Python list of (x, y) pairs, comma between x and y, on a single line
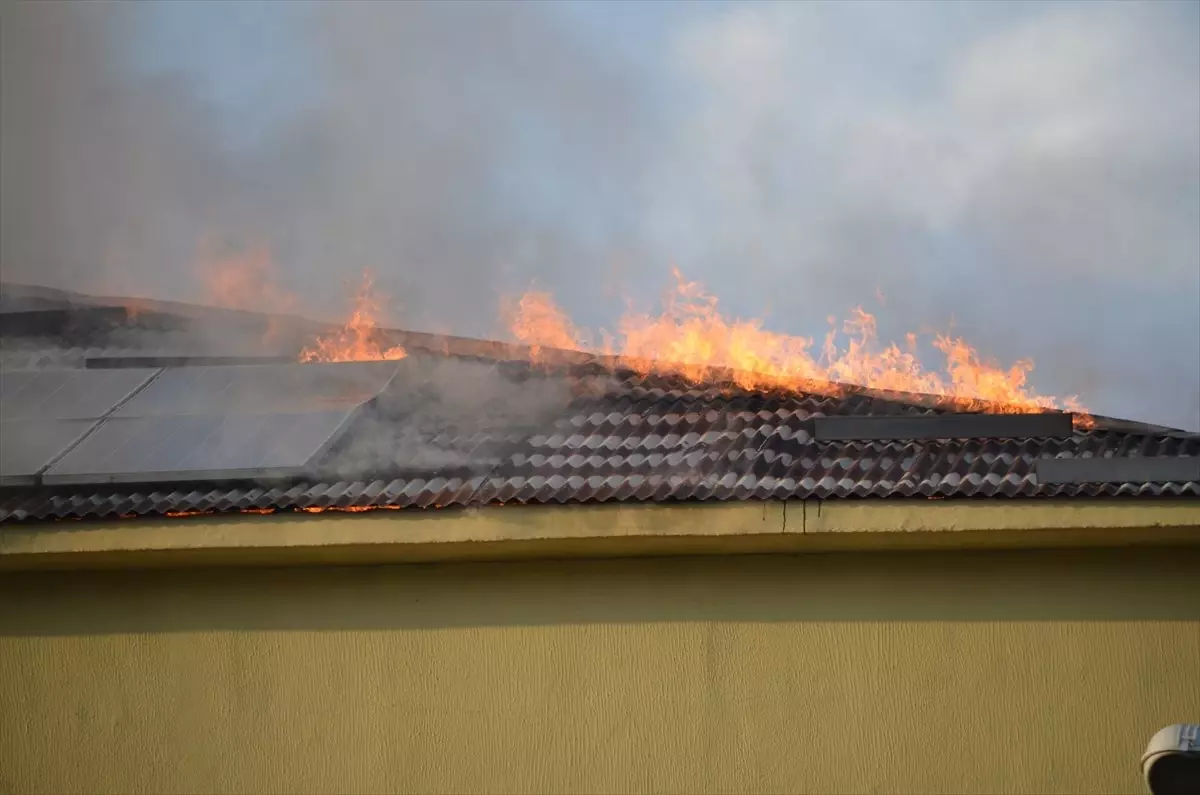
[(1062, 585)]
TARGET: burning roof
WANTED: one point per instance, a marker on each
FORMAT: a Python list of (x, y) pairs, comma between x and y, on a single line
[(692, 338), (466, 422)]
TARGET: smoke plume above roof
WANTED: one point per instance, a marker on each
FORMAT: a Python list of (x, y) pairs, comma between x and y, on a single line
[(1031, 171)]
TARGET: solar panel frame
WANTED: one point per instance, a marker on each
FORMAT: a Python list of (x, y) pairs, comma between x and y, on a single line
[(200, 447)]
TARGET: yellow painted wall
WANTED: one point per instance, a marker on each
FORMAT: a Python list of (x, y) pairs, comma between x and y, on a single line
[(998, 671)]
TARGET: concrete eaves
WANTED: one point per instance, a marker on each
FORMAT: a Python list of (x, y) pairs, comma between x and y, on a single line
[(524, 532)]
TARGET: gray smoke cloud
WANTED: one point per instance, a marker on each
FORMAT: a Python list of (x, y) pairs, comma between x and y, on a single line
[(411, 165), (458, 417), (99, 173), (1030, 170)]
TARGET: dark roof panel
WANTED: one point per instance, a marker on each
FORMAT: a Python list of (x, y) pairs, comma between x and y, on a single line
[(944, 426), (1139, 469)]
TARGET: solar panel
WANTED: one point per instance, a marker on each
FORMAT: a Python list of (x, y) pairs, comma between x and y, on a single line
[(199, 447), (177, 360), (1137, 469), (944, 426), (66, 394), (28, 446), (260, 389)]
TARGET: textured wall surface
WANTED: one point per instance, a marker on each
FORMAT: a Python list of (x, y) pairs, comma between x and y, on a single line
[(1032, 671)]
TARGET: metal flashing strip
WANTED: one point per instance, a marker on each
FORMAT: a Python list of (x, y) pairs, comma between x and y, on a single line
[(944, 426), (1139, 469)]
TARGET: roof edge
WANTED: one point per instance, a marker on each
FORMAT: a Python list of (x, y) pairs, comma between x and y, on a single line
[(626, 530)]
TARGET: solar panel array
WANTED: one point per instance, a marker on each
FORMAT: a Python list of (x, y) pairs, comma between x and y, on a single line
[(260, 389), (223, 422), (28, 446), (66, 394), (43, 413)]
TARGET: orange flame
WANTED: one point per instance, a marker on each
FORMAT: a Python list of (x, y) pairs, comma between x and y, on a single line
[(245, 280), (538, 321), (349, 508), (691, 338), (134, 307), (358, 339)]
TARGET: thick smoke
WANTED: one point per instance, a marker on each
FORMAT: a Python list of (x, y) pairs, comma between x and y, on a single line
[(456, 417), (430, 154), (1031, 171), (102, 177)]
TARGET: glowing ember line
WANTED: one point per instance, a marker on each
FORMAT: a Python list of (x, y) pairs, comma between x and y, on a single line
[(348, 508), (691, 338)]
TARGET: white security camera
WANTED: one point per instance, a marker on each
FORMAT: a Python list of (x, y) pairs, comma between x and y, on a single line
[(1171, 763)]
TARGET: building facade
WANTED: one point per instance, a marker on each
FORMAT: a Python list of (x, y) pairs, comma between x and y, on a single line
[(917, 646)]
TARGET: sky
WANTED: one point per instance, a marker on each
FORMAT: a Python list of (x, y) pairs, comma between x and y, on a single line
[(1029, 172)]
